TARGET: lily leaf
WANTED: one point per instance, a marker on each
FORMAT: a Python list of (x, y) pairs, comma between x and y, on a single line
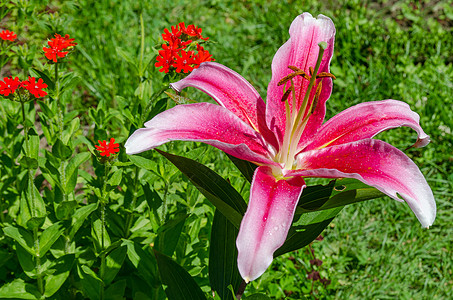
[(216, 189), (223, 269), (337, 193), (180, 285), (247, 168)]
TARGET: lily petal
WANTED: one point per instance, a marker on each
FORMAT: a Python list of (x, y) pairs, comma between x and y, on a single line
[(365, 120), (231, 91), (377, 164), (201, 122), (301, 51), (266, 223)]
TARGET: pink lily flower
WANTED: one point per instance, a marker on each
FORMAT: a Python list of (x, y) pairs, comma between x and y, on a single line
[(287, 139)]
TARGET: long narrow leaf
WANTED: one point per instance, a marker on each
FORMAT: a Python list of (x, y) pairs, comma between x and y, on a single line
[(223, 269), (212, 186), (180, 285)]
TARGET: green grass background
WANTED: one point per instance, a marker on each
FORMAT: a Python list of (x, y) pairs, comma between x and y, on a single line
[(384, 50)]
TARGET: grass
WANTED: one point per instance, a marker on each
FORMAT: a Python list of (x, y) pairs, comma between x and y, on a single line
[(386, 49)]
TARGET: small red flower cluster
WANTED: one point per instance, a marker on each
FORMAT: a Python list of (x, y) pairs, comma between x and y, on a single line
[(9, 86), (175, 54), (107, 149), (8, 35), (57, 45)]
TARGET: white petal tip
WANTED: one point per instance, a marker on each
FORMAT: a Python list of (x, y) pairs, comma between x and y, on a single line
[(247, 280)]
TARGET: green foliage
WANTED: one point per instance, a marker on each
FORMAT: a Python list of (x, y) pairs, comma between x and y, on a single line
[(75, 224)]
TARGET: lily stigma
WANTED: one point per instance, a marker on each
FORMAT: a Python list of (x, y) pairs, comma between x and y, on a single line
[(287, 139)]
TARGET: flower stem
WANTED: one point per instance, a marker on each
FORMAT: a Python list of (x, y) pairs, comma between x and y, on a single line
[(38, 261), (241, 290), (103, 203), (132, 205)]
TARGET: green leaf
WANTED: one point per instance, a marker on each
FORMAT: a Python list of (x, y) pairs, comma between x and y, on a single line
[(143, 261), (306, 230), (180, 285), (65, 209), (49, 236), (223, 269), (60, 150), (29, 163), (337, 193), (169, 233), (100, 235), (143, 162), (59, 272), (258, 296), (26, 260), (80, 216), (90, 282), (116, 177), (216, 189), (32, 207), (245, 167), (18, 289), (116, 291), (21, 236), (48, 112), (114, 262), (70, 131), (71, 170)]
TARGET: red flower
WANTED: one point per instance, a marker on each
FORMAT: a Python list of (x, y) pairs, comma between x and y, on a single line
[(165, 59), (176, 54), (194, 31), (202, 56), (9, 86), (107, 149), (57, 45), (8, 35), (35, 88), (183, 61)]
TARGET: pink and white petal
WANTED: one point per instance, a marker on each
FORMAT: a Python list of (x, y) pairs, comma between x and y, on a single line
[(202, 122), (301, 50), (365, 120), (231, 91), (265, 225), (377, 164)]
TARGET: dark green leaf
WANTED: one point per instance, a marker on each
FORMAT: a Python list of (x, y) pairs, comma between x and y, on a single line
[(71, 170), (258, 296), (60, 150), (168, 235), (80, 216), (116, 177), (180, 285), (306, 230), (223, 269), (29, 163), (337, 193), (247, 168), (90, 282), (100, 235), (116, 291), (216, 189), (114, 262), (65, 209), (59, 272), (48, 237), (144, 261), (26, 260), (22, 236)]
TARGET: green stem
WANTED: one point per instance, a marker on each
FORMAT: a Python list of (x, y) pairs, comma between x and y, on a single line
[(132, 206), (142, 46), (39, 276), (103, 204)]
